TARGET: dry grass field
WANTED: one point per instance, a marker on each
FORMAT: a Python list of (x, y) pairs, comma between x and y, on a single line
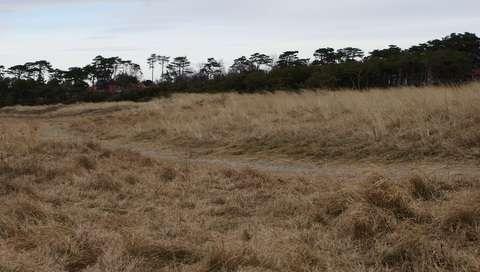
[(314, 181)]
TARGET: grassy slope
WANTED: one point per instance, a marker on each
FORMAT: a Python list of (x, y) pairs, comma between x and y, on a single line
[(408, 124), (73, 204)]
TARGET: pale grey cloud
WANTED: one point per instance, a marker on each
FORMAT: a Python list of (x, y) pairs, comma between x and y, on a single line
[(93, 50), (71, 32)]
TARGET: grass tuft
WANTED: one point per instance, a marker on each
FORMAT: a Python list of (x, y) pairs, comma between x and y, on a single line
[(159, 255), (424, 189), (86, 163), (392, 197)]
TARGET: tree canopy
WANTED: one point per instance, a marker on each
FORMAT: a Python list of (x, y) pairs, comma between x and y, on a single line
[(454, 59)]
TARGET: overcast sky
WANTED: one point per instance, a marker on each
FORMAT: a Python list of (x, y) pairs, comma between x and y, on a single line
[(72, 32)]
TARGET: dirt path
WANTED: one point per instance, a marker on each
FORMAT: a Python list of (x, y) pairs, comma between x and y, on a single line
[(57, 130)]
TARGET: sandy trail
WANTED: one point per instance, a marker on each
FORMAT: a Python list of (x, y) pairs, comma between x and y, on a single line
[(53, 124), (340, 170)]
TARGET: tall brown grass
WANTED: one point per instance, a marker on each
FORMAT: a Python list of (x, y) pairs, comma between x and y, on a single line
[(82, 200), (400, 124)]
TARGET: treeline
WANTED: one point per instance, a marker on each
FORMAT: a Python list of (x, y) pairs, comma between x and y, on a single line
[(35, 83), (454, 59), (451, 60)]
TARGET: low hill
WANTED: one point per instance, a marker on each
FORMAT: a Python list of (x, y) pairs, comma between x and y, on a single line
[(381, 180)]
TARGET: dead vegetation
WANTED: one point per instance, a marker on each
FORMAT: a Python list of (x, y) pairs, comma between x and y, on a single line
[(385, 125), (75, 196)]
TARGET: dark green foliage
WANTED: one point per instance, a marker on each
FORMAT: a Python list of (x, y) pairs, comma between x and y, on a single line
[(211, 70), (325, 56), (290, 59), (451, 60)]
